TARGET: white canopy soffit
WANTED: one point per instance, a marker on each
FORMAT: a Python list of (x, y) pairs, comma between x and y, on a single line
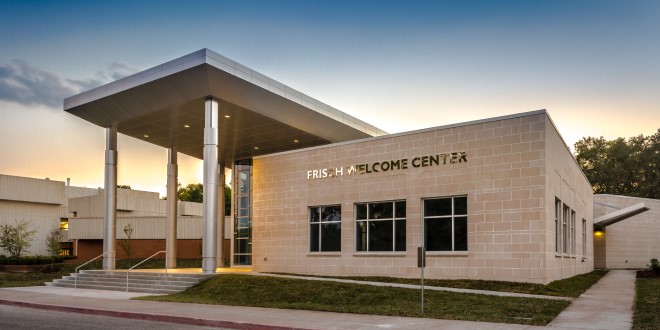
[(622, 214), (164, 105)]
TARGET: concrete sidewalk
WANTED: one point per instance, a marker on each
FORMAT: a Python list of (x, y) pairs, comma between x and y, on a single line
[(607, 305), (117, 304)]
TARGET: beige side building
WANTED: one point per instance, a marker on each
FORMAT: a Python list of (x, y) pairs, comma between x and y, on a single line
[(40, 202), (493, 199), (630, 243), (77, 211)]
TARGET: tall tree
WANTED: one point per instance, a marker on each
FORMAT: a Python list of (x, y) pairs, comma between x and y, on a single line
[(194, 192), (629, 167)]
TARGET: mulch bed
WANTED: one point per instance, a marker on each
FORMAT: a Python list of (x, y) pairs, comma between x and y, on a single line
[(647, 274)]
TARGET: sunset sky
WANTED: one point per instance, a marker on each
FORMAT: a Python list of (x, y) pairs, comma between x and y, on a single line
[(399, 65)]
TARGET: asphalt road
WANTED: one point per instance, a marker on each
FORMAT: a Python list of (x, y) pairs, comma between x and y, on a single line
[(12, 317)]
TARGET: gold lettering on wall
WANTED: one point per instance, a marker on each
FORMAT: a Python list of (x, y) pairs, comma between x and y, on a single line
[(390, 165)]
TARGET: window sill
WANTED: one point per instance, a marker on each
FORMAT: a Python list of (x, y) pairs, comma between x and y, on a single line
[(380, 254), (324, 254), (446, 253)]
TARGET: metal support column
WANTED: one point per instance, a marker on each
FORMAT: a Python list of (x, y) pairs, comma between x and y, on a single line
[(209, 236), (110, 203), (221, 216), (172, 201)]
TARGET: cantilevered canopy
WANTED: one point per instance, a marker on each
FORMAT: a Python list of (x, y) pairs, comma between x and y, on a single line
[(258, 115), (622, 214)]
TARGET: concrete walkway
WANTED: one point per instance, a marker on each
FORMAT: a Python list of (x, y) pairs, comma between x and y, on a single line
[(607, 305)]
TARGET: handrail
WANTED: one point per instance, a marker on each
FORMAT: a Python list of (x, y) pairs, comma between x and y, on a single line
[(141, 262), (75, 278)]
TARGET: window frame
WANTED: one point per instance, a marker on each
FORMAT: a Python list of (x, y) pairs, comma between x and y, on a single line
[(451, 217), (572, 234), (584, 237), (565, 232), (319, 209), (394, 219), (558, 235)]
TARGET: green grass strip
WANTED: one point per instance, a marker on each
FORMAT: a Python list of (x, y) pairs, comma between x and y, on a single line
[(271, 292), (570, 287), (647, 304)]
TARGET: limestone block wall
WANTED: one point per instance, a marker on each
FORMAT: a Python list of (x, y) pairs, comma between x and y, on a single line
[(566, 183), (632, 242), (503, 177)]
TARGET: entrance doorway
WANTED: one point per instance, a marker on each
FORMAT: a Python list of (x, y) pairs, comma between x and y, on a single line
[(242, 248)]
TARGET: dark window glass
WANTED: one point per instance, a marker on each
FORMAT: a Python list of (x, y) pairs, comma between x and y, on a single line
[(460, 234), (243, 232), (243, 222), (381, 210), (331, 237), (438, 234), (445, 224), (437, 207), (400, 235), (460, 205), (242, 260), (331, 213), (380, 236), (314, 237), (361, 236), (400, 208), (242, 246), (325, 229), (361, 211), (314, 215), (376, 229)]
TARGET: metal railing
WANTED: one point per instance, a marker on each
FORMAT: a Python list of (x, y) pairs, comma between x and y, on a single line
[(141, 262), (75, 277)]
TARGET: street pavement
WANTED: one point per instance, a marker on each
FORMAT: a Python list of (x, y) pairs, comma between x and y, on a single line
[(607, 305)]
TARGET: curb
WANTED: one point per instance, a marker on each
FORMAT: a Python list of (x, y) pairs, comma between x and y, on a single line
[(150, 317)]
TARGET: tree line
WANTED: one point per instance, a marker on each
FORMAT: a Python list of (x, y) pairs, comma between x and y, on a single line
[(627, 167)]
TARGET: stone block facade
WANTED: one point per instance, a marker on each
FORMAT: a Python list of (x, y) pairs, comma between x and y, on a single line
[(510, 170)]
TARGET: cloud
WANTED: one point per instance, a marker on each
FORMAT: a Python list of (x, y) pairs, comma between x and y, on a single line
[(27, 85)]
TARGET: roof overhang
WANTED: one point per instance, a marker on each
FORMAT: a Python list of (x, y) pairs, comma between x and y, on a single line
[(622, 214), (164, 105)]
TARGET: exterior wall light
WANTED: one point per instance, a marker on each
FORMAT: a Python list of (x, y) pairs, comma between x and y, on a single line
[(598, 233)]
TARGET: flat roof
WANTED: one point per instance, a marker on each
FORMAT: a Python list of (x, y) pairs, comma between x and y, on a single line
[(258, 115)]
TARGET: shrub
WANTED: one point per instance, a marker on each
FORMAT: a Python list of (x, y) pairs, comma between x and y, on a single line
[(30, 260), (654, 266)]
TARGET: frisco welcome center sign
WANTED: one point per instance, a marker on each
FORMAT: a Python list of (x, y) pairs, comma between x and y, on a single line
[(389, 165)]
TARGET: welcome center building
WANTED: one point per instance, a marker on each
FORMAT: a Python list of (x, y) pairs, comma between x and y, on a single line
[(317, 191)]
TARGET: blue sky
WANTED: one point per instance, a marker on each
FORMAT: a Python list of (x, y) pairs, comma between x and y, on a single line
[(400, 65)]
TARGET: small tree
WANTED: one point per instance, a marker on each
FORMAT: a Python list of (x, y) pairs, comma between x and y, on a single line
[(16, 239), (54, 244), (126, 243), (654, 266)]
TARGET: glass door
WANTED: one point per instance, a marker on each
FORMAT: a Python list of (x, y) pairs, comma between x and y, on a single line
[(242, 211)]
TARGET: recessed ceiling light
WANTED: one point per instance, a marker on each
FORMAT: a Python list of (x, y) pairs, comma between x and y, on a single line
[(256, 148), (227, 116), (146, 135), (295, 141), (186, 125)]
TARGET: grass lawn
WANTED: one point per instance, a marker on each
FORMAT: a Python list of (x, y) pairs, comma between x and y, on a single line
[(271, 292), (647, 304), (570, 287)]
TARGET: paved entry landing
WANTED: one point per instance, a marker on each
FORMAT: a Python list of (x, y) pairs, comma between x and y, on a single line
[(606, 305)]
